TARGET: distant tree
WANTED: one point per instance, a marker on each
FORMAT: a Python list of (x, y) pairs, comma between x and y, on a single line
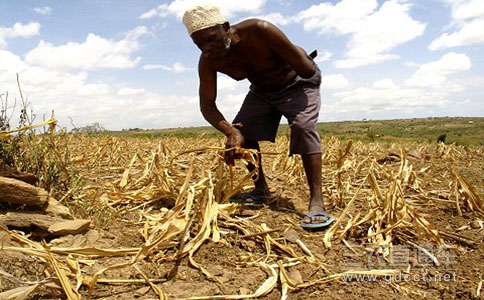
[(93, 128), (441, 138)]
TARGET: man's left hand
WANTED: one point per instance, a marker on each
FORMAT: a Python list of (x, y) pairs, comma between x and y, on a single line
[(235, 140)]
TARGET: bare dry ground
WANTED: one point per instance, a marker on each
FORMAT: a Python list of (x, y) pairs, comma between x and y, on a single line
[(409, 224)]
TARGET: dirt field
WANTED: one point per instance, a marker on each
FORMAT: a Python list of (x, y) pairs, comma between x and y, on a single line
[(411, 215)]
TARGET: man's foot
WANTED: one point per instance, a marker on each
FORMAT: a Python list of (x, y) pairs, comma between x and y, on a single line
[(263, 193), (316, 218), (256, 197)]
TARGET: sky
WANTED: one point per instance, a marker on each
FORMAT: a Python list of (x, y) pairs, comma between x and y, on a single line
[(131, 64)]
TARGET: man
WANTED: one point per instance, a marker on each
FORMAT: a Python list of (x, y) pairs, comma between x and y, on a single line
[(284, 81)]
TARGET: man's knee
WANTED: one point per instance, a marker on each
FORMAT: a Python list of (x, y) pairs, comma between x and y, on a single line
[(305, 139), (301, 128)]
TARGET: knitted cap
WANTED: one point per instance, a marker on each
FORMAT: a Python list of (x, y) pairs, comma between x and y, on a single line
[(201, 17)]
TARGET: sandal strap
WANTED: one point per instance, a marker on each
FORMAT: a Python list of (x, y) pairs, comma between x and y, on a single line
[(318, 214)]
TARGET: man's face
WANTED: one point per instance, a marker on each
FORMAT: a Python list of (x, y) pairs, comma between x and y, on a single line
[(214, 41)]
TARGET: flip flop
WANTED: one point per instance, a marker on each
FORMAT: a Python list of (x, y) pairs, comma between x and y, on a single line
[(318, 225), (246, 199)]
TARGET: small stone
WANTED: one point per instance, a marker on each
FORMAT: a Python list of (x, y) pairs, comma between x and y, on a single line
[(55, 209), (69, 227), (11, 172), (4, 239), (19, 192), (414, 154), (79, 241), (295, 276), (65, 241), (92, 237), (244, 291), (476, 225), (108, 235), (142, 291), (26, 220), (217, 271)]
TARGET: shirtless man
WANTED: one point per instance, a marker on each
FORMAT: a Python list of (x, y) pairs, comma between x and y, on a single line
[(284, 81)]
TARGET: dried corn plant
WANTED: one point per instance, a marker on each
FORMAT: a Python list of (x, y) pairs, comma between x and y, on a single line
[(193, 188)]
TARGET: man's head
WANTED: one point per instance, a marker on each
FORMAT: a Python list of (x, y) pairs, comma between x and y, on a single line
[(209, 30)]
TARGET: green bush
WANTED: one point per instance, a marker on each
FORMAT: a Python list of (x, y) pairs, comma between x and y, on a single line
[(441, 138)]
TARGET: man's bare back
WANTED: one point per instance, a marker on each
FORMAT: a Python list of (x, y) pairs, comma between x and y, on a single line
[(256, 53)]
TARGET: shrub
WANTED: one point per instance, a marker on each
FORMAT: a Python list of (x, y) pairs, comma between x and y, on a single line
[(441, 138)]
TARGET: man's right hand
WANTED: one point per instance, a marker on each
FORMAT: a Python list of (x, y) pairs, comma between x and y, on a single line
[(234, 140)]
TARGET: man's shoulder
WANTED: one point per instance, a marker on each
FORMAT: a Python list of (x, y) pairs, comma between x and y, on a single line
[(251, 24), (254, 29)]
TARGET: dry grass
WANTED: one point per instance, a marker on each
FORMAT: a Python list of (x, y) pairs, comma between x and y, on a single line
[(126, 176)]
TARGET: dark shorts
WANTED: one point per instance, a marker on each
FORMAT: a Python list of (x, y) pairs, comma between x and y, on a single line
[(299, 102)]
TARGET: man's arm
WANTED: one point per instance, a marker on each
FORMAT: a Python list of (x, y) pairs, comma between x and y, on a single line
[(208, 95), (295, 56)]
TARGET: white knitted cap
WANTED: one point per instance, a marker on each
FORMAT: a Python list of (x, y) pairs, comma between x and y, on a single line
[(201, 17)]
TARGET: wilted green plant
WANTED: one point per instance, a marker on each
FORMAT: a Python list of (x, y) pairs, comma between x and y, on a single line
[(45, 155)]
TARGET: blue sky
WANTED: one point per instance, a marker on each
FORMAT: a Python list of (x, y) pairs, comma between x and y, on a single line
[(128, 64)]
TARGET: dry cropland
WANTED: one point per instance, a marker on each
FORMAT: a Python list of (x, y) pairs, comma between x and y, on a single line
[(154, 218)]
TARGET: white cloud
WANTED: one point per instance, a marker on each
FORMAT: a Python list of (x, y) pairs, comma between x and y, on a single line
[(371, 97), (373, 32), (229, 8), (340, 18), (387, 98), (45, 10), (276, 19), (156, 67), (463, 102), (468, 9), (131, 92), (336, 81), (385, 83), (71, 94), (385, 29), (468, 19), (395, 98), (95, 53), (47, 81), (354, 62), (230, 105), (177, 68), (434, 74), (18, 30), (11, 62), (225, 83), (94, 89), (323, 56), (410, 64), (470, 33)]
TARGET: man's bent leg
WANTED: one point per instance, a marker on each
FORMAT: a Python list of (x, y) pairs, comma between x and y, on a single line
[(261, 188), (313, 165)]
